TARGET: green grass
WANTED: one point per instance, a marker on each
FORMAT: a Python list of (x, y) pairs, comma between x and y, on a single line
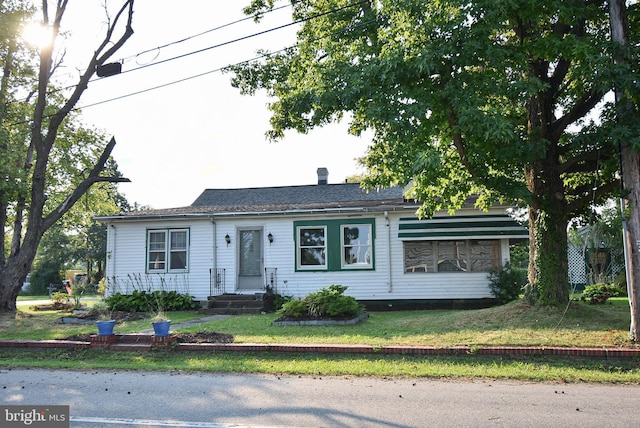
[(513, 324)]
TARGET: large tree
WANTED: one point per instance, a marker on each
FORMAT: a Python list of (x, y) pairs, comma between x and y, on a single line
[(505, 100), (30, 176)]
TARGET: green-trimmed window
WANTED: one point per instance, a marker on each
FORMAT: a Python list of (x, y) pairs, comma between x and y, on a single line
[(356, 246), (167, 250), (312, 247), (470, 255), (334, 245)]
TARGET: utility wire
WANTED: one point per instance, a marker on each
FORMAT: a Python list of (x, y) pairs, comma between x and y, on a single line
[(158, 48), (226, 66), (239, 39), (220, 27), (266, 55)]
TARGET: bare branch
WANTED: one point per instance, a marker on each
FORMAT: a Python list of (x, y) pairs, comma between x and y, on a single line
[(93, 177), (96, 60)]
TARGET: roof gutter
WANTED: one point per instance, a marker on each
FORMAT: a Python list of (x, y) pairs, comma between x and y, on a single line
[(206, 216)]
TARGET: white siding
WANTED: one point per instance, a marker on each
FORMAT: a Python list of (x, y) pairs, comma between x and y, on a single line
[(388, 281), (126, 258)]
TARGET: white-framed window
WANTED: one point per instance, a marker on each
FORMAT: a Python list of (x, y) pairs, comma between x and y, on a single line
[(356, 246), (167, 250), (470, 255), (312, 247)]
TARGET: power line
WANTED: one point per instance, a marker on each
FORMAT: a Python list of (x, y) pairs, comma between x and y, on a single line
[(220, 27), (229, 24), (230, 65), (266, 55), (239, 39)]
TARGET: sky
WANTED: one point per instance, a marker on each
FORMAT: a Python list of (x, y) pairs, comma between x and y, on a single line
[(176, 141)]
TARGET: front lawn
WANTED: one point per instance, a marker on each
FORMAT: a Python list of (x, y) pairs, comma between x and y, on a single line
[(515, 324)]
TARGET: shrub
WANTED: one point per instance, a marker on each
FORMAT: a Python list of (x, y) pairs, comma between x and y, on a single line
[(59, 298), (506, 283), (102, 286), (330, 301), (143, 301), (292, 309), (600, 293), (101, 309), (342, 306)]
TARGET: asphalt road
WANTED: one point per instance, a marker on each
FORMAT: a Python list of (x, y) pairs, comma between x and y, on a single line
[(176, 399)]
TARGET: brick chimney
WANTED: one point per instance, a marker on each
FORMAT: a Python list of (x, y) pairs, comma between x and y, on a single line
[(323, 176)]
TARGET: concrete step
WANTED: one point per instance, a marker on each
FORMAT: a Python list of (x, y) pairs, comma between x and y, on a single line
[(230, 310), (234, 304)]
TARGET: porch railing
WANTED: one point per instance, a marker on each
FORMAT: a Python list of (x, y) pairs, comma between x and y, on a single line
[(216, 281), (271, 279)]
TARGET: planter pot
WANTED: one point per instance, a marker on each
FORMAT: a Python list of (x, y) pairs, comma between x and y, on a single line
[(161, 328), (105, 328)]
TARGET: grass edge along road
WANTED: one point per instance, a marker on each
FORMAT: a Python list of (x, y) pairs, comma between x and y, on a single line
[(513, 324)]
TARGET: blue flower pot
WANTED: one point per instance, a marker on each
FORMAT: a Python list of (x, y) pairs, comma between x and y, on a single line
[(161, 328), (105, 328)]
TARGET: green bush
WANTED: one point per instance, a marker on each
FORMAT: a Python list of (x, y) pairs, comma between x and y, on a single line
[(598, 294), (330, 301), (156, 301), (59, 298), (506, 283), (292, 309), (342, 306)]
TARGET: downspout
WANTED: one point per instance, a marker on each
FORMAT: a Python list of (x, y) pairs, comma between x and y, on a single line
[(111, 244), (389, 276), (214, 258)]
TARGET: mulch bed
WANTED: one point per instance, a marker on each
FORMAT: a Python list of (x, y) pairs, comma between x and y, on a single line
[(120, 316), (199, 337)]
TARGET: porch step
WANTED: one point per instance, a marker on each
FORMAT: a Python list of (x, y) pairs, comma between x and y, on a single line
[(234, 304)]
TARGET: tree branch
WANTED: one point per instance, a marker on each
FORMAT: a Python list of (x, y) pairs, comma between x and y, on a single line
[(580, 203), (579, 110), (96, 60), (585, 162), (93, 177)]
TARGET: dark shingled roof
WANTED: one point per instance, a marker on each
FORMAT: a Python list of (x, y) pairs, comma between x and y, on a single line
[(280, 199), (296, 195)]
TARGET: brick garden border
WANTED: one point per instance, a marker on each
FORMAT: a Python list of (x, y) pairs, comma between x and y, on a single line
[(142, 342)]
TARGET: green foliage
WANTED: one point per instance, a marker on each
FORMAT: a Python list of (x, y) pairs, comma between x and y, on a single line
[(155, 301), (102, 310), (76, 293), (49, 158), (102, 286), (292, 309), (280, 300), (481, 100), (59, 298), (329, 301), (598, 294), (46, 271), (507, 283)]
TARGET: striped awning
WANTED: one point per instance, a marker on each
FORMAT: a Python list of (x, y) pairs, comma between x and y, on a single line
[(462, 227)]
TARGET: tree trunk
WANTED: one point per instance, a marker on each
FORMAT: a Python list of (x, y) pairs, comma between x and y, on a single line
[(548, 262), (11, 280), (630, 177), (630, 165)]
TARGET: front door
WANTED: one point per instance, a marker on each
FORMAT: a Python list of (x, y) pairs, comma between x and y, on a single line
[(250, 259)]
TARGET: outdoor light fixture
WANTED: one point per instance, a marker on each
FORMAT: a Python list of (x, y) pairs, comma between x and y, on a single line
[(227, 238), (270, 238)]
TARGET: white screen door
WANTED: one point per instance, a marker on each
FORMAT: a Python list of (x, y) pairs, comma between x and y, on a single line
[(250, 259)]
